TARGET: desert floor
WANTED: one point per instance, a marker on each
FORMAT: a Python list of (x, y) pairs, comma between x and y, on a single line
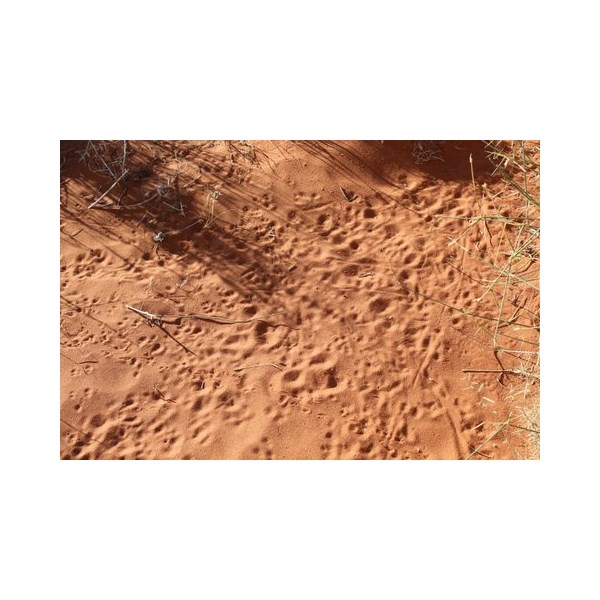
[(299, 300)]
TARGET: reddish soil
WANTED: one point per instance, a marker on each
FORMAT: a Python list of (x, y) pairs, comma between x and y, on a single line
[(336, 305)]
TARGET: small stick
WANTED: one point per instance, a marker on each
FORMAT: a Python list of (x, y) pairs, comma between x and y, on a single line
[(276, 365), (151, 317), (345, 193), (83, 432), (486, 371), (108, 190), (517, 351), (81, 362), (525, 428), (103, 161), (491, 437), (472, 171), (178, 231), (510, 371), (158, 393), (176, 319), (124, 153)]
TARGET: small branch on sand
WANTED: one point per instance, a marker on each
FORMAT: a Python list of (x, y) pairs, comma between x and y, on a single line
[(488, 439), (93, 204), (158, 394), (509, 371), (151, 317), (85, 434), (346, 195), (176, 320), (275, 365), (81, 362)]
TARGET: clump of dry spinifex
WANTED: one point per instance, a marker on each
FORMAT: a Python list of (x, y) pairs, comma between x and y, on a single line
[(506, 224)]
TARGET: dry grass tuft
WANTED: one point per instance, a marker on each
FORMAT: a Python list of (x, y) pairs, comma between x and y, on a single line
[(503, 237), (500, 247)]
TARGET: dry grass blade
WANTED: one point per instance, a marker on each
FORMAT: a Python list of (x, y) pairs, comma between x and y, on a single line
[(274, 365), (488, 439)]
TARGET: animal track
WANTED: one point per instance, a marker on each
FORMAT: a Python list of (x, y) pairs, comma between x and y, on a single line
[(379, 305)]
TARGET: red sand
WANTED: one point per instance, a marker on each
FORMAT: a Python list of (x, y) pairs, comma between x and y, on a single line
[(341, 249)]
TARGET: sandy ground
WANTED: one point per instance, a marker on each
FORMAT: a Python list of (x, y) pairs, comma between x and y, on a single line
[(310, 303)]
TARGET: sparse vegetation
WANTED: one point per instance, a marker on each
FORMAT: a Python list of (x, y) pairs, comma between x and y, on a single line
[(128, 170), (504, 238), (501, 239)]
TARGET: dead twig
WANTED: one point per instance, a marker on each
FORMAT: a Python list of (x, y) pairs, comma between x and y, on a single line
[(176, 319), (93, 204), (488, 439), (85, 434), (275, 365), (347, 196), (158, 394), (503, 371)]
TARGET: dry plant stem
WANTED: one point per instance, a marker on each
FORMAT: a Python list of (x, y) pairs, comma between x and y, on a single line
[(172, 233), (159, 394), (346, 195), (501, 308), (488, 439), (176, 320), (514, 222), (124, 155), (524, 428), (519, 189), (462, 311), (81, 431), (509, 371), (275, 365), (504, 272), (108, 169), (488, 371), (80, 362), (93, 204)]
